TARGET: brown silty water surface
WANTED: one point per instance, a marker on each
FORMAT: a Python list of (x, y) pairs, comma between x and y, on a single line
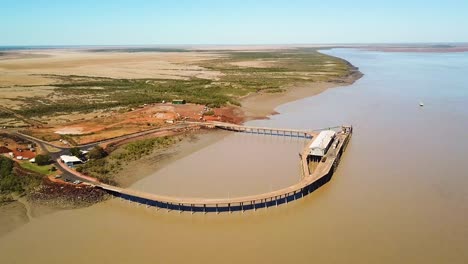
[(398, 196), (239, 164)]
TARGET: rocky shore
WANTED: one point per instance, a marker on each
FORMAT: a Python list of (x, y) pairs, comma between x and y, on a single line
[(66, 196)]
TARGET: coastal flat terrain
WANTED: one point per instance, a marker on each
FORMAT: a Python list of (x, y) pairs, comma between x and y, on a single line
[(29, 68), (57, 86)]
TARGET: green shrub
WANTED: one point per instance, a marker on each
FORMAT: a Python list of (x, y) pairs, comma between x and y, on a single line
[(6, 166), (42, 160), (10, 182), (75, 152)]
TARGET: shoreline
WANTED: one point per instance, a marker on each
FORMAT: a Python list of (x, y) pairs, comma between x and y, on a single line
[(262, 105)]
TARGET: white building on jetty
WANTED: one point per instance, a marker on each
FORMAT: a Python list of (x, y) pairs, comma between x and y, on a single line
[(321, 143)]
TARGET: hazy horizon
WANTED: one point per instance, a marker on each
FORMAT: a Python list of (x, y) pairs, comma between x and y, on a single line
[(188, 45)]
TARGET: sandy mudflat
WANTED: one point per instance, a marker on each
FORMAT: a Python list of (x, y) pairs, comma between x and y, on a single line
[(258, 106), (25, 69)]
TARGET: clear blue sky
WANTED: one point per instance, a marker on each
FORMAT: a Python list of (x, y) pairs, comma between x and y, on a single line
[(129, 22)]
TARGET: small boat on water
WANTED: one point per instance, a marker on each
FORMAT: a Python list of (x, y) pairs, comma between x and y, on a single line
[(421, 104)]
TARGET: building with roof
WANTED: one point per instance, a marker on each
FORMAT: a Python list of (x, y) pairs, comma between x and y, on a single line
[(70, 161), (321, 143)]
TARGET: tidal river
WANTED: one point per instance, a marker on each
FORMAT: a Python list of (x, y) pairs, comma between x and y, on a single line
[(400, 194)]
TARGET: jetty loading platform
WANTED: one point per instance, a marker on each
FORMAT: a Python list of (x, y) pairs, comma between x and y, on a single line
[(312, 177)]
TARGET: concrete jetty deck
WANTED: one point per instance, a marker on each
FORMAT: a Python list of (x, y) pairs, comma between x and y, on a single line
[(309, 180)]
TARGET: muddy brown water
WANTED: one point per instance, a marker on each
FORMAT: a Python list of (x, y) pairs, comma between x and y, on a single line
[(239, 164), (399, 195)]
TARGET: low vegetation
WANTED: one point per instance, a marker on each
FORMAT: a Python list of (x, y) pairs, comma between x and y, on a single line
[(13, 180), (75, 152), (42, 160), (97, 153), (104, 168)]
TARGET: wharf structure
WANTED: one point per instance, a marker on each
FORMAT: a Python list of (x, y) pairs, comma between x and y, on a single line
[(319, 160)]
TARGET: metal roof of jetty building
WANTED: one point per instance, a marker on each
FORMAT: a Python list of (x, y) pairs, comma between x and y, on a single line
[(322, 140)]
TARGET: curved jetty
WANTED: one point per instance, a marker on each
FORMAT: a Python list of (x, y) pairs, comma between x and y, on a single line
[(323, 169), (317, 168)]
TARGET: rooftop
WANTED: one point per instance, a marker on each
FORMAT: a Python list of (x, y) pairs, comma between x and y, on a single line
[(322, 140), (69, 159)]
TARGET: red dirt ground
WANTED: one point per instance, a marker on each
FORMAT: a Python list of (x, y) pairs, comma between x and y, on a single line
[(140, 119)]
